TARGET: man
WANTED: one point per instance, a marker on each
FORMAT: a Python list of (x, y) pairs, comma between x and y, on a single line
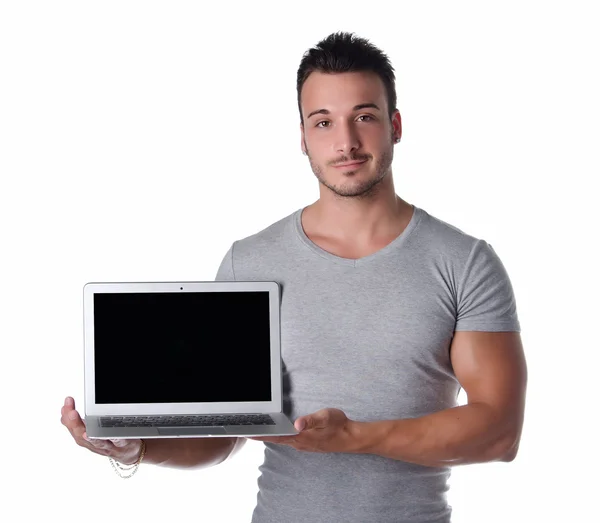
[(386, 312)]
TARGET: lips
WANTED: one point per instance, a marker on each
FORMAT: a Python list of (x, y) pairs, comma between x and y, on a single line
[(350, 164)]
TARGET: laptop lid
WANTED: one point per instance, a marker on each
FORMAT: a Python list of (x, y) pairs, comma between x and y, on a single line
[(182, 348)]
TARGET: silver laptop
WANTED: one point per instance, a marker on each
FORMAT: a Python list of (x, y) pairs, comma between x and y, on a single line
[(183, 359)]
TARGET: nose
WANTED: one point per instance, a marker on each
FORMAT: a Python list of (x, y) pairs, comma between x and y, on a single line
[(346, 139)]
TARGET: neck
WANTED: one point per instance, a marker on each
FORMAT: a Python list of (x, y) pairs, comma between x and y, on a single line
[(361, 219)]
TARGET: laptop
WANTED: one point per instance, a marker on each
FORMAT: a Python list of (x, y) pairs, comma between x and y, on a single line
[(183, 359)]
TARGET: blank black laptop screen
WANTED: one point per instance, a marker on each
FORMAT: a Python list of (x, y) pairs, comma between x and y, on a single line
[(182, 347)]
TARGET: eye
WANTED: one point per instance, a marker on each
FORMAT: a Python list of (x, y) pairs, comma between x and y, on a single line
[(368, 119)]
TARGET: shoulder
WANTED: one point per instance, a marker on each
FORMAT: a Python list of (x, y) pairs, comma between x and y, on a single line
[(475, 266), (445, 239), (270, 237)]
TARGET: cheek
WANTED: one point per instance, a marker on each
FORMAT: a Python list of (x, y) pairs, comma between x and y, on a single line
[(319, 159)]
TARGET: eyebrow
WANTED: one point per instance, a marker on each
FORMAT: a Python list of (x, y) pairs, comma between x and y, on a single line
[(355, 108)]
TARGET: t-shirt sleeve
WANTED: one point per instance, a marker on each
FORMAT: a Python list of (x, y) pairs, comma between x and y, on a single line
[(225, 271), (485, 298)]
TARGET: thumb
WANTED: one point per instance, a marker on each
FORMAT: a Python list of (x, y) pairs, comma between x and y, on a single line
[(301, 424), (313, 421)]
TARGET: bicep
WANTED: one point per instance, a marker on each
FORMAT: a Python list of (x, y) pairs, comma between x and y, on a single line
[(491, 368)]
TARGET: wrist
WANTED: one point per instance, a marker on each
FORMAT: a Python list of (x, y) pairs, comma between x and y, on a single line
[(357, 430), (131, 456), (368, 436), (126, 465)]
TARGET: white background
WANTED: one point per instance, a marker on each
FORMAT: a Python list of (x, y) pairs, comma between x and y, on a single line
[(139, 139)]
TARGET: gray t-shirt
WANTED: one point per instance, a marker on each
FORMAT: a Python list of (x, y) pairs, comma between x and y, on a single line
[(370, 337)]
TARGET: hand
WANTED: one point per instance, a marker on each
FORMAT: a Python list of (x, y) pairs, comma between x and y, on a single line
[(327, 430), (125, 451)]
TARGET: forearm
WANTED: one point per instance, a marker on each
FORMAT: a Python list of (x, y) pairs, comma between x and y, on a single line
[(188, 452), (458, 436)]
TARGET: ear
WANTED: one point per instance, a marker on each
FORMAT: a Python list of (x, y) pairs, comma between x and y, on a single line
[(302, 140), (397, 125)]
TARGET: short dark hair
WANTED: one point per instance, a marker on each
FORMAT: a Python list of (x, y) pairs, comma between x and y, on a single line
[(343, 52)]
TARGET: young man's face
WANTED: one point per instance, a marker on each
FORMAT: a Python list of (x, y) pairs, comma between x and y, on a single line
[(337, 131)]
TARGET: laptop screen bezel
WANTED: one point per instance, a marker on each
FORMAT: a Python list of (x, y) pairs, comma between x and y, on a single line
[(112, 409)]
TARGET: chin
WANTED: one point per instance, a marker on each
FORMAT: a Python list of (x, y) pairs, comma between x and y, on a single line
[(353, 189)]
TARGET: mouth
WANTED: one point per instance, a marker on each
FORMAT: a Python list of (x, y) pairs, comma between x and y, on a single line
[(350, 164)]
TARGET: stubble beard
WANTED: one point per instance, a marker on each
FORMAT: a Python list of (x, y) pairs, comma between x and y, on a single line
[(364, 189)]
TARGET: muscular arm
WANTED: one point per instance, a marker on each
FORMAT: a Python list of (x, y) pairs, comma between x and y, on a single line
[(491, 368), (191, 453)]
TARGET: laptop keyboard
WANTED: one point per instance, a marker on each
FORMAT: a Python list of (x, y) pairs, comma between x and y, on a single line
[(205, 420)]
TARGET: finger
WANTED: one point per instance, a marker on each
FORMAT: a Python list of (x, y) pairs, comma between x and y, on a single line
[(119, 442), (68, 404), (74, 423), (73, 418)]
